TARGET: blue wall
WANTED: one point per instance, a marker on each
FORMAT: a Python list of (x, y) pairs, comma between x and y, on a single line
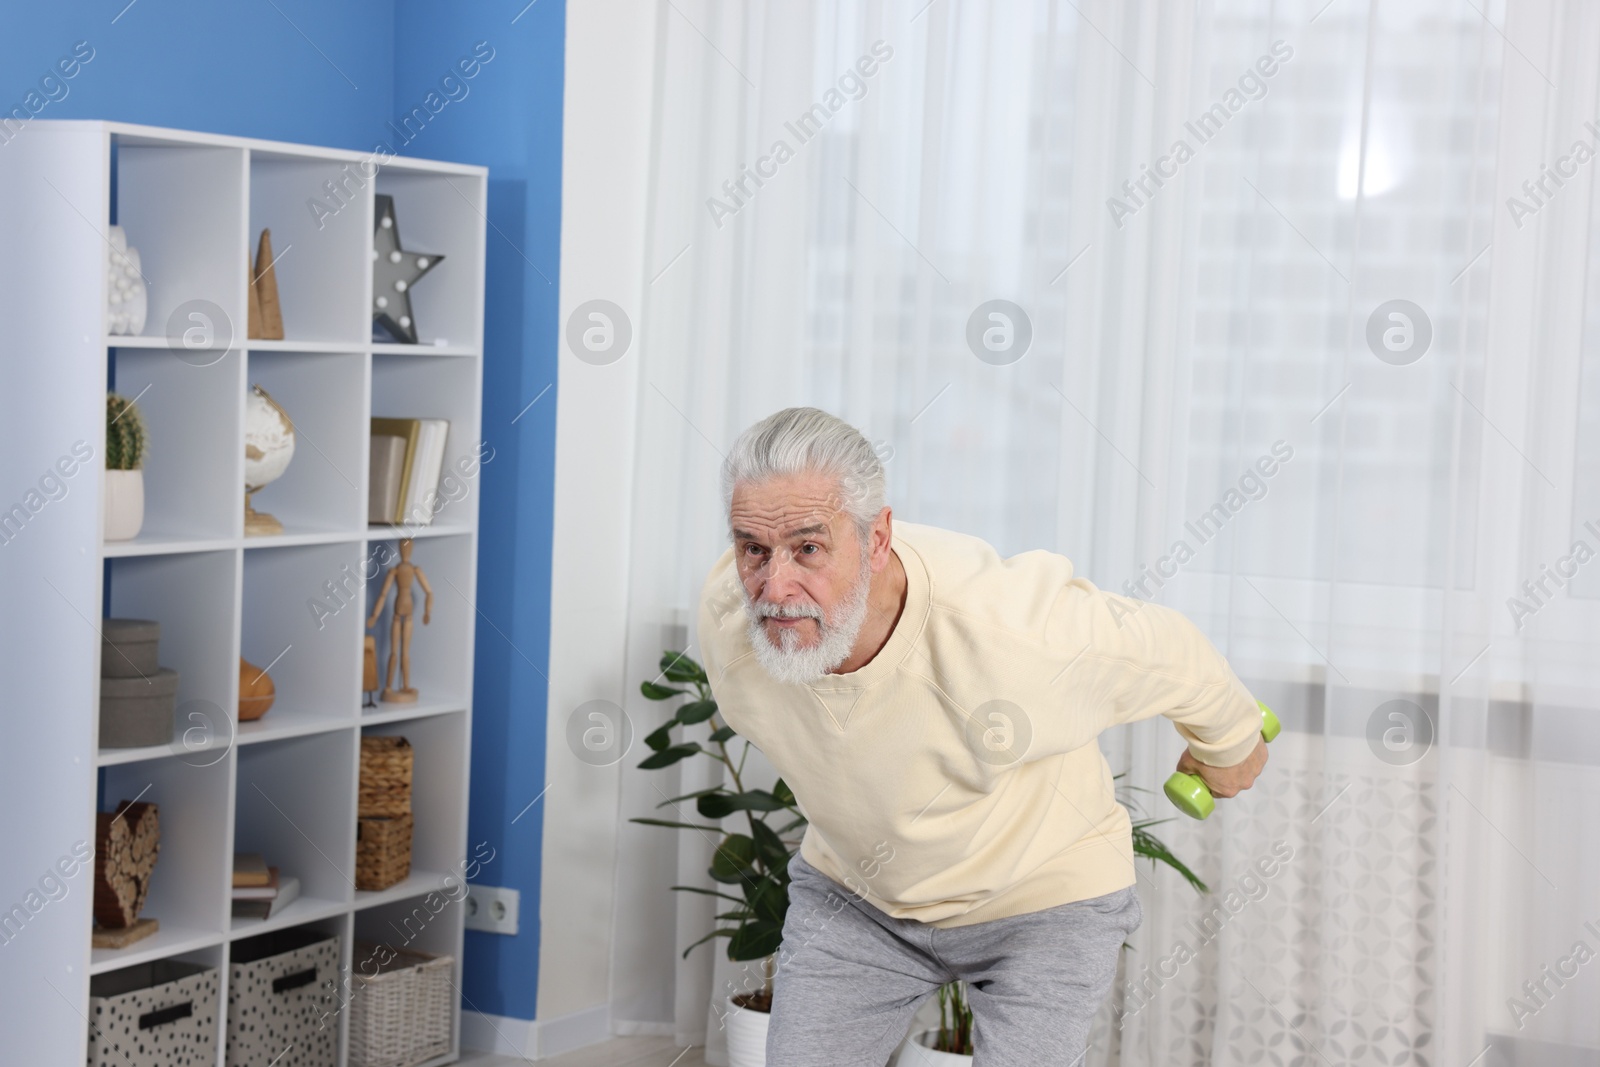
[(517, 134), (338, 75)]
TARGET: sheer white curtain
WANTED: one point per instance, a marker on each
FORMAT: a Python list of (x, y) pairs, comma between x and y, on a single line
[(1379, 505)]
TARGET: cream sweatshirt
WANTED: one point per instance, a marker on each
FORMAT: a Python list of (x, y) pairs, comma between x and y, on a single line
[(957, 777)]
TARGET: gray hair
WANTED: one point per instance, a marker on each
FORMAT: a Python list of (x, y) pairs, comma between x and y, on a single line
[(809, 440)]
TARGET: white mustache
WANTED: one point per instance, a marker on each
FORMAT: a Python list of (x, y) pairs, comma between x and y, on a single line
[(790, 611)]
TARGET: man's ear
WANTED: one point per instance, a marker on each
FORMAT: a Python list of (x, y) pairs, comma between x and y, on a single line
[(886, 518)]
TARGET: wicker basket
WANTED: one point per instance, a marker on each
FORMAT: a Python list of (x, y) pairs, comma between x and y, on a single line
[(400, 1006), (385, 777), (383, 851)]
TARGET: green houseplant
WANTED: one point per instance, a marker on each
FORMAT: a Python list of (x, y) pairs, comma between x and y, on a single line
[(755, 864), (122, 491)]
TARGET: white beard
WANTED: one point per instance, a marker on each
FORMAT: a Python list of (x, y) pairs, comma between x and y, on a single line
[(795, 665)]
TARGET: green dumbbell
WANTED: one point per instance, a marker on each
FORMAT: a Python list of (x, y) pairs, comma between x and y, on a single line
[(1188, 792)]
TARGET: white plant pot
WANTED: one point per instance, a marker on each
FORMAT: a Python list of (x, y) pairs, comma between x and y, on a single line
[(123, 499), (747, 1036), (918, 1051)]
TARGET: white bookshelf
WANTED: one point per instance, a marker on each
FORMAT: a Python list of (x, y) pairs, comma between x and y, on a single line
[(193, 205)]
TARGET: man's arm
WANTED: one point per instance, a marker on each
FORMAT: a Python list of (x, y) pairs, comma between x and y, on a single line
[(1137, 659)]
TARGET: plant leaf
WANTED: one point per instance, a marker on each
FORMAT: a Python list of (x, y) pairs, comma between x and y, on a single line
[(770, 900), (734, 860), (659, 692), (708, 937), (708, 892), (783, 794), (751, 800), (691, 796), (696, 711), (659, 739), (1151, 848), (774, 853), (722, 734), (755, 940), (679, 667), (668, 756), (677, 825)]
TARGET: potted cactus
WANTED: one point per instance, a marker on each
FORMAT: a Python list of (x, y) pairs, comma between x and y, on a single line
[(122, 493)]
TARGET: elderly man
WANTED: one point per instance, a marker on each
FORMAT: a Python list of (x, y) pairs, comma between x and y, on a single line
[(935, 709)]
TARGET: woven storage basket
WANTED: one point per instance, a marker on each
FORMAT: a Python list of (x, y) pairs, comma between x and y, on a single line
[(385, 777), (383, 851), (399, 1006)]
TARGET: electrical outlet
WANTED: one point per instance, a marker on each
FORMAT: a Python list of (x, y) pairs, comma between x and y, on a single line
[(492, 909)]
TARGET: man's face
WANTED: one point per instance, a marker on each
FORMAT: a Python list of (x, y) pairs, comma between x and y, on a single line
[(804, 573)]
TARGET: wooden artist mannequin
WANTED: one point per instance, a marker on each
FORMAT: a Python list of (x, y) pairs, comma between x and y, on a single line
[(400, 576)]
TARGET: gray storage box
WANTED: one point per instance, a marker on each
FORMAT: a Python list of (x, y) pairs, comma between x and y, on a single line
[(153, 1015), (283, 990), (138, 711), (128, 647)]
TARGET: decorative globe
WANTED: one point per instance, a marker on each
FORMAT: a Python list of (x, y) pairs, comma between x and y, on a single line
[(268, 439)]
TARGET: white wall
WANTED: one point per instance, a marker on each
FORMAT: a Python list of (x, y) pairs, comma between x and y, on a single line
[(605, 168)]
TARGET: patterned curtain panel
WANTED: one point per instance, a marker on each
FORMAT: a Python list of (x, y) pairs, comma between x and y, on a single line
[(1280, 314)]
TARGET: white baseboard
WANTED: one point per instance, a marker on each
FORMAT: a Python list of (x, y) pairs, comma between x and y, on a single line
[(535, 1039), (634, 1028)]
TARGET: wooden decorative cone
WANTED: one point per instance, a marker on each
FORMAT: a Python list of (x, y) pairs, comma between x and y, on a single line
[(253, 321), (126, 844), (266, 286)]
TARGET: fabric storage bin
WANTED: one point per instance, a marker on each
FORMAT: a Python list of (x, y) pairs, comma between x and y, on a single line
[(400, 1004), (283, 1000), (161, 1014)]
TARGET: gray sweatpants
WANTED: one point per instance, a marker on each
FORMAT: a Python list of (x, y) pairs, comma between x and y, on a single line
[(849, 977)]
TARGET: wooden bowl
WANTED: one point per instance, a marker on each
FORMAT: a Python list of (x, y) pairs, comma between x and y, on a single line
[(256, 691)]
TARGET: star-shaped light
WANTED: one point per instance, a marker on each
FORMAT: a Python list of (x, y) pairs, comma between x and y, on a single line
[(394, 272)]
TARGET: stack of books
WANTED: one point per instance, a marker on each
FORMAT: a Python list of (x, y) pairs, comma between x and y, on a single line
[(406, 458), (258, 891)]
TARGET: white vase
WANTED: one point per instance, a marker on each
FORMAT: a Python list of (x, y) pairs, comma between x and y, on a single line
[(747, 1036), (123, 499), (918, 1051)]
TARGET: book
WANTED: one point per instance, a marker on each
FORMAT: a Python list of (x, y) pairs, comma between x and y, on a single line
[(288, 893), (259, 892), (385, 470), (418, 509), (250, 869), (409, 430)]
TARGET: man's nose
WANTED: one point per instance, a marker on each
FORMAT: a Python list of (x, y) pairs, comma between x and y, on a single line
[(780, 576)]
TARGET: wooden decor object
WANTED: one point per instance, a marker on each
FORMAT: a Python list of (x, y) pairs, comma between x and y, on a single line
[(264, 280), (369, 669), (141, 929), (253, 312), (400, 576), (126, 843), (385, 786), (256, 691), (383, 852)]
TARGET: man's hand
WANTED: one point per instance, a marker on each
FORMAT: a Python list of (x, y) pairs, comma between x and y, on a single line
[(1227, 781)]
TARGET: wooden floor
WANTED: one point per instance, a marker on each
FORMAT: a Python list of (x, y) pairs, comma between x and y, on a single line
[(618, 1052)]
